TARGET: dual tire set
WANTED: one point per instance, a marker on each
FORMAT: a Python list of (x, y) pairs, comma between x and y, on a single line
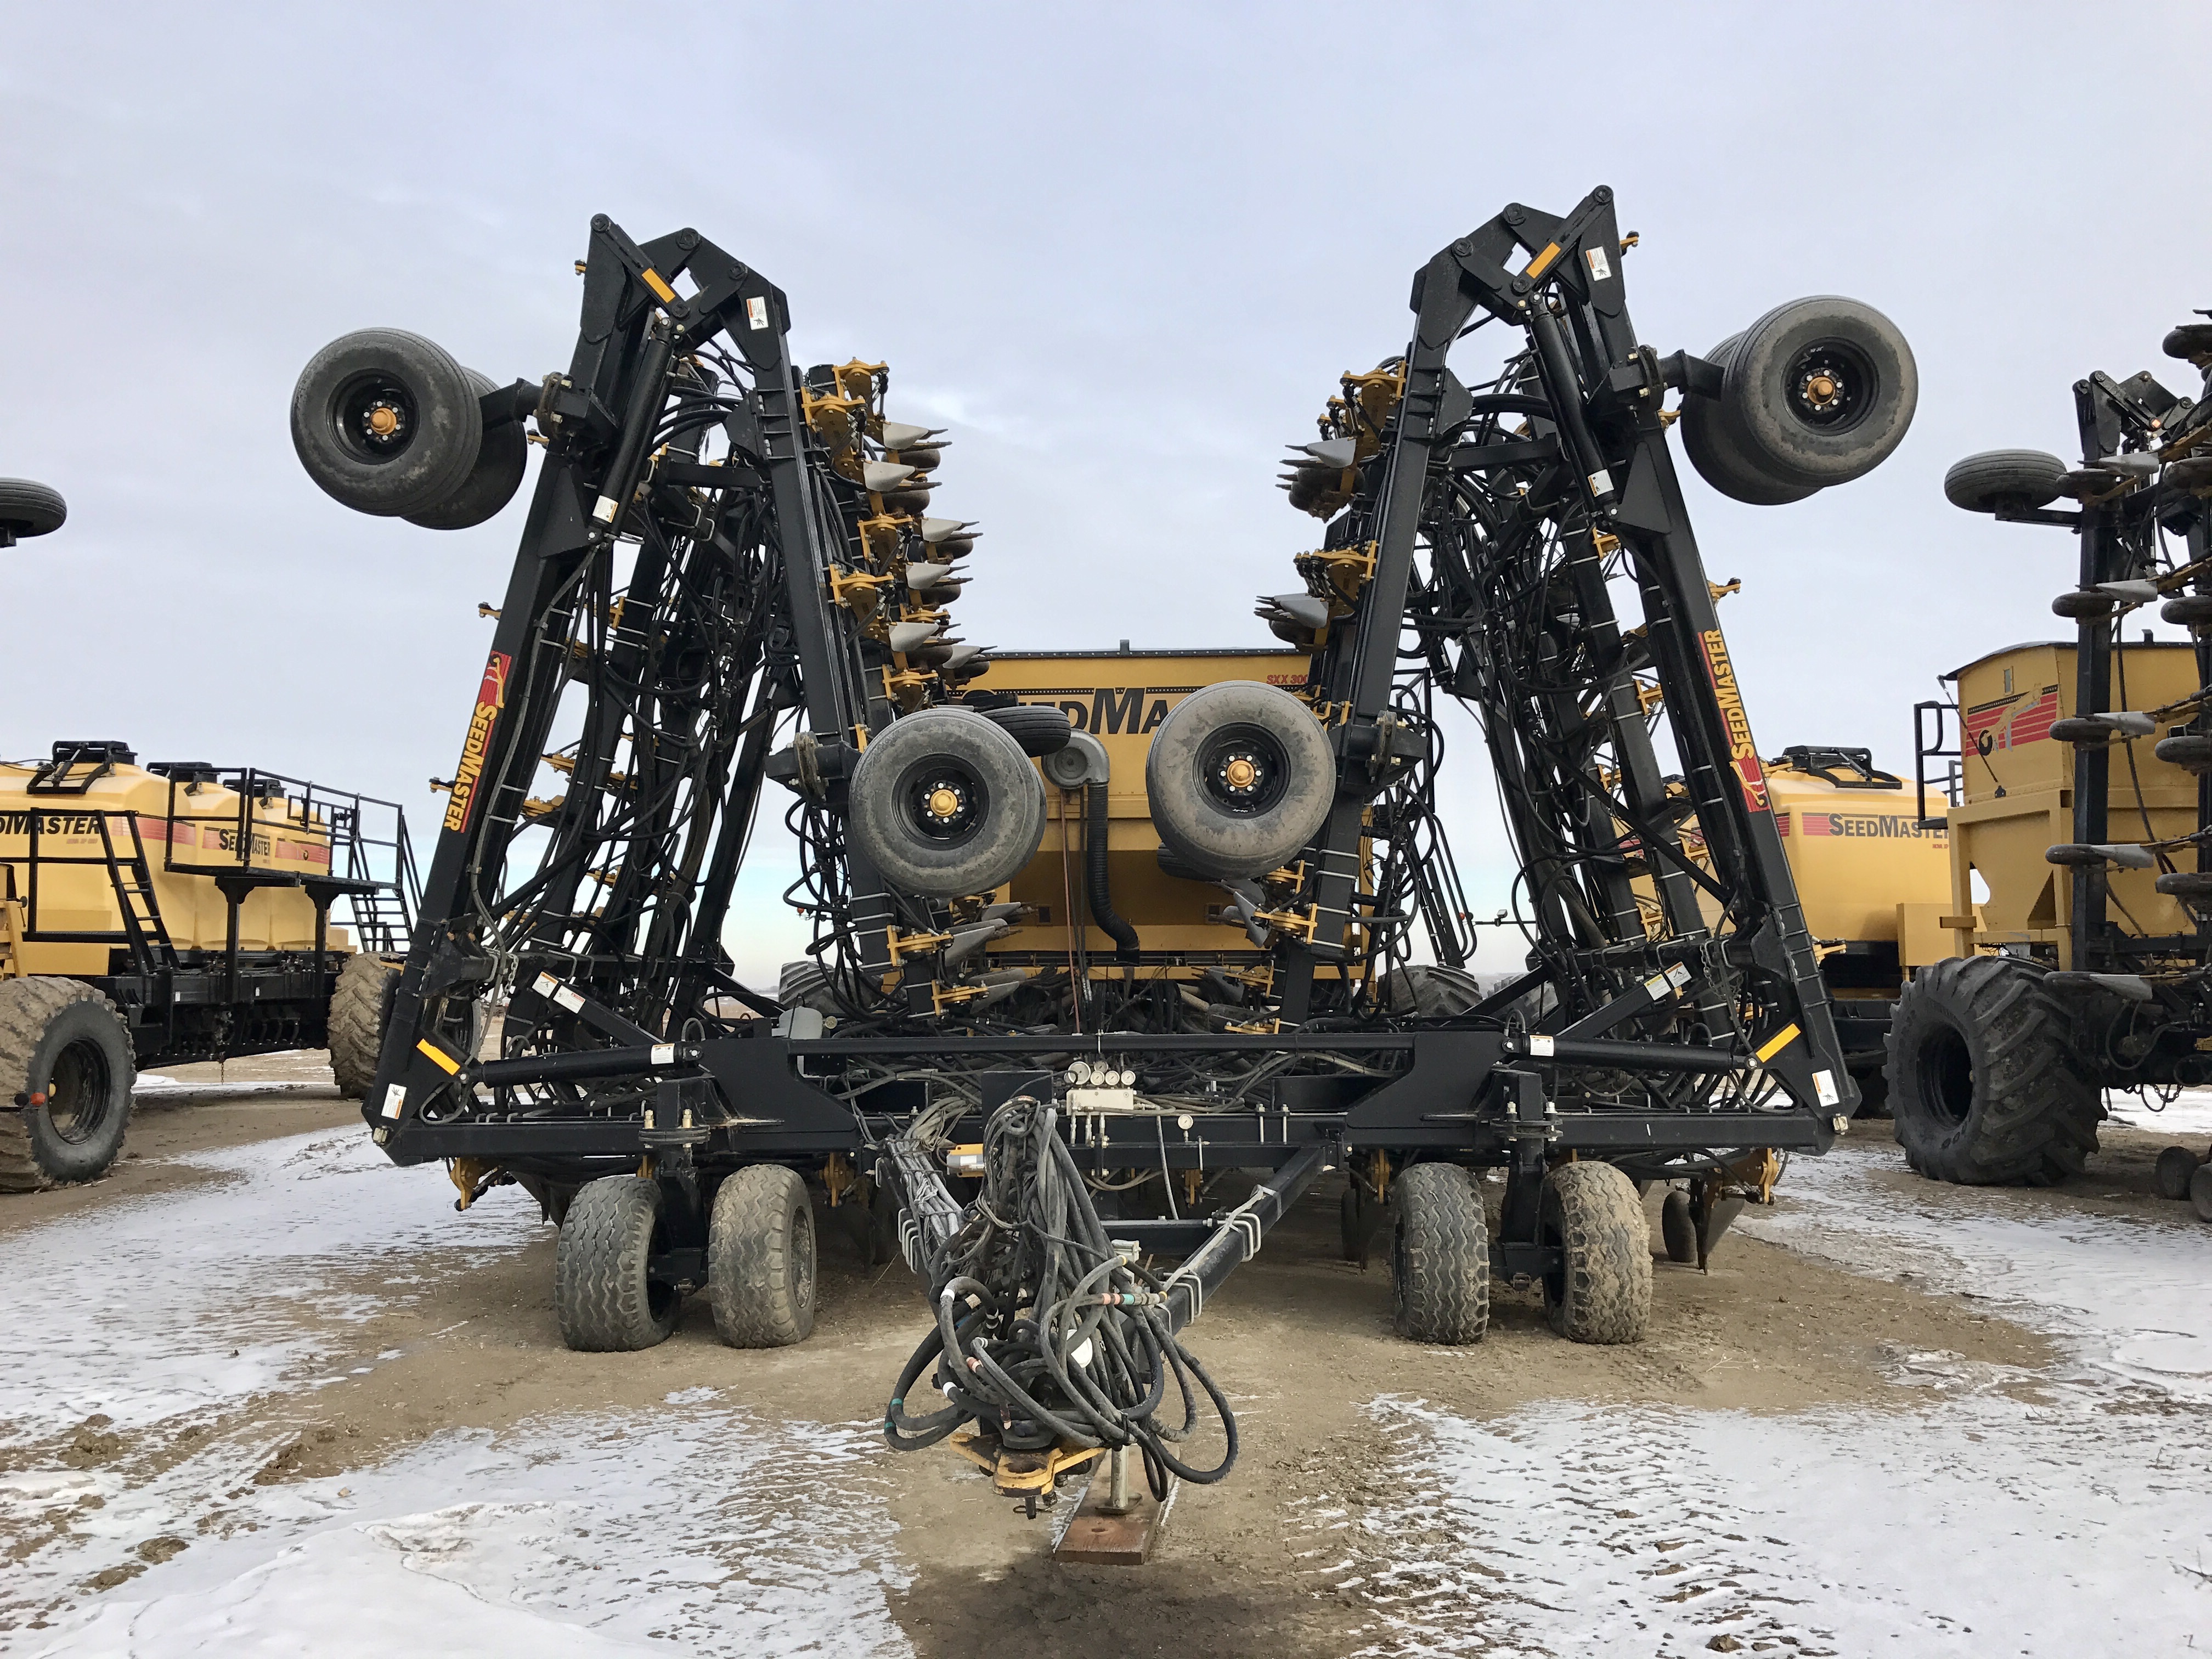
[(945, 804), (1590, 1212), (387, 423), (760, 1263), (1816, 392)]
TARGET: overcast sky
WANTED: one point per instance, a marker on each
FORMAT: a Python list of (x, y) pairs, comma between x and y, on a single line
[(1121, 252)]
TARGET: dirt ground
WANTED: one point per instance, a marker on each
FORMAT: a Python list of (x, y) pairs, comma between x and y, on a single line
[(1299, 1338)]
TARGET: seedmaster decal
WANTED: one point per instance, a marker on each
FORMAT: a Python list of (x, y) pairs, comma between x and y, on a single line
[(491, 698), (1743, 754), (1879, 826)]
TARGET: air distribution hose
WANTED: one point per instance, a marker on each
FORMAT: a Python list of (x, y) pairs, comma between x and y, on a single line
[(1094, 870)]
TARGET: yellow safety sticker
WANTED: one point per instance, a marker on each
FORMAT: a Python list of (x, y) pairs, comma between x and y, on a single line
[(449, 1064), (1542, 262), (652, 280), (1781, 1040)]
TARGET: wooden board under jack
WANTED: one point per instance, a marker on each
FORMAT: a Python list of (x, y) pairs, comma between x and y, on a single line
[(1095, 1536)]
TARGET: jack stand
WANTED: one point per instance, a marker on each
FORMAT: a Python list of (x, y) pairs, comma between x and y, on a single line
[(1119, 1523)]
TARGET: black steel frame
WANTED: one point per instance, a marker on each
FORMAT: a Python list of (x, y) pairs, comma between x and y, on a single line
[(2142, 1002), (1668, 1047)]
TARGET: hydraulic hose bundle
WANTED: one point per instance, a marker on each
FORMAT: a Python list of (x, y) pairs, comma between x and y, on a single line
[(1048, 1335)]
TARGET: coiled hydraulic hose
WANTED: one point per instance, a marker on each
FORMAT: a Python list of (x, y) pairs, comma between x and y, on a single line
[(1095, 881), (1044, 1330)]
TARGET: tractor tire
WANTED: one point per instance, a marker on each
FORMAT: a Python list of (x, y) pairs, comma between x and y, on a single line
[(502, 453), (360, 1004), (606, 1301), (991, 826), (1601, 1290), (1240, 778), (1677, 1226), (1984, 1082), (2021, 479), (63, 1041), (1439, 1256), (434, 429), (1719, 461), (2176, 1168), (1039, 728), (28, 508), (760, 1258), (1795, 437), (2200, 1192)]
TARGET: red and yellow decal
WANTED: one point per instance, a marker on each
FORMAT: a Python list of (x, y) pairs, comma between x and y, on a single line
[(1743, 754), (491, 698)]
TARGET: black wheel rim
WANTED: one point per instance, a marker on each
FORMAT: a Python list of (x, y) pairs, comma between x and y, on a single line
[(1830, 387), (1243, 770), (376, 418), (1944, 1069), (943, 800), (78, 1093)]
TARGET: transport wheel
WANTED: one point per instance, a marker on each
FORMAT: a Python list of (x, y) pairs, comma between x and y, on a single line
[(1439, 1256), (2188, 610), (1240, 778), (1677, 1226), (606, 1300), (2176, 1168), (1040, 731), (2189, 750), (359, 1005), (760, 1258), (883, 1234), (1985, 1083), (2020, 479), (1719, 459), (501, 454), (30, 509), (2200, 1192), (386, 422), (1819, 392), (1358, 1218), (1601, 1292), (1874, 1091), (944, 804), (65, 1061)]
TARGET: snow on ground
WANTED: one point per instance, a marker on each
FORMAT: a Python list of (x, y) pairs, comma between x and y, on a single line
[(697, 1530), (2187, 1116), (2124, 1295), (582, 1534), (159, 1306), (2046, 1513)]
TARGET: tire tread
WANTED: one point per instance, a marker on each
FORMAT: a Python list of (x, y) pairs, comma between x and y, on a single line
[(27, 1007), (1441, 1263), (601, 1291), (2033, 1122), (1608, 1241)]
